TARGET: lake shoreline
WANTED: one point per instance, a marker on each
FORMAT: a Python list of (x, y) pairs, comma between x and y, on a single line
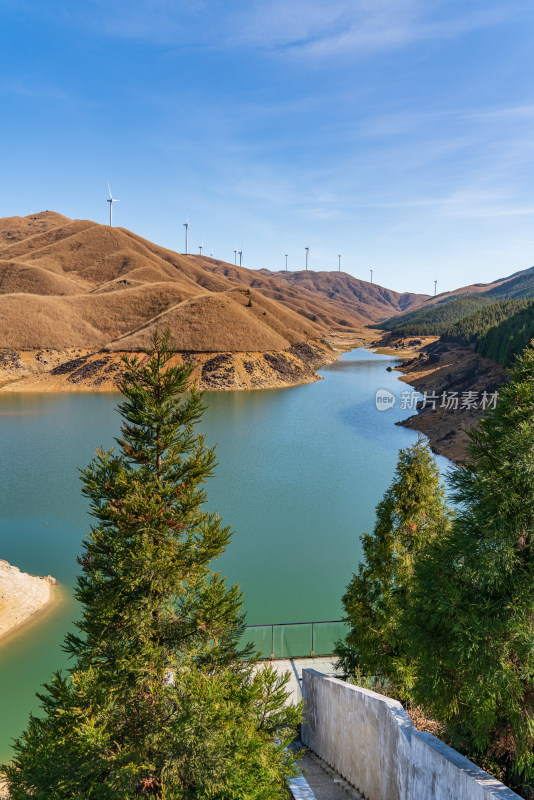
[(77, 370), (23, 599), (325, 439), (443, 370)]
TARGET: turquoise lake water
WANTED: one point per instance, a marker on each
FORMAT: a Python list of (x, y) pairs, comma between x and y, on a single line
[(300, 473)]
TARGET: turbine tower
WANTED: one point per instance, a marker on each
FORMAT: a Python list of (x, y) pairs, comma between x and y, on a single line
[(200, 248), (111, 200), (186, 226), (435, 287), (240, 256), (339, 262), (286, 262), (307, 254), (235, 257), (371, 276)]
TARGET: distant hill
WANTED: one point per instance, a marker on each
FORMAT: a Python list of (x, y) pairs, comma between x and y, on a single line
[(500, 331), (73, 283), (331, 298), (433, 320), (477, 288), (438, 314), (471, 328)]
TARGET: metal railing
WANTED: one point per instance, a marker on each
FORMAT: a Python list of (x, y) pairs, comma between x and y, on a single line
[(296, 639)]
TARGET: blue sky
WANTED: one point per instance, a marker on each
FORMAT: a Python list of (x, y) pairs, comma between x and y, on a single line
[(399, 133)]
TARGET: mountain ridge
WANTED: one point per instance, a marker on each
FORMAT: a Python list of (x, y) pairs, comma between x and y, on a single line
[(74, 283)]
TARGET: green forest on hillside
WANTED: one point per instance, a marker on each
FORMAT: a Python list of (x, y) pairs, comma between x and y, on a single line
[(471, 328), (520, 286), (505, 341), (434, 320), (499, 331)]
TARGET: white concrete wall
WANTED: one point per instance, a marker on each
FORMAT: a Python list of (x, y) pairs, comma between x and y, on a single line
[(371, 741)]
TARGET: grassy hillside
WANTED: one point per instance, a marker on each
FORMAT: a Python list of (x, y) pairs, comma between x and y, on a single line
[(335, 299), (73, 283)]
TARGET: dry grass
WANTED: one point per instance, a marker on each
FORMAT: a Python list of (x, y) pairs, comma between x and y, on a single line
[(12, 229), (67, 283), (30, 279), (333, 298), (423, 722), (225, 322)]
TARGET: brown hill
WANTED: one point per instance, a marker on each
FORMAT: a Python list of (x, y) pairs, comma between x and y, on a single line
[(330, 298), (16, 278), (13, 229), (334, 299), (66, 283), (238, 320)]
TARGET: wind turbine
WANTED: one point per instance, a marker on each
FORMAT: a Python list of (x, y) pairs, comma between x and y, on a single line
[(235, 257), (111, 200), (371, 276), (435, 287), (339, 262), (240, 256), (286, 262), (200, 248), (186, 226), (307, 254)]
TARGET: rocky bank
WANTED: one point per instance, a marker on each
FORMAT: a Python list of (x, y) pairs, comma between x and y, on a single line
[(459, 386), (21, 596), (79, 370)]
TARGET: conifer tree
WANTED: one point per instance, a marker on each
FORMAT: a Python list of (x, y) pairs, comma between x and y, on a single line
[(472, 608), (410, 515), (159, 701)]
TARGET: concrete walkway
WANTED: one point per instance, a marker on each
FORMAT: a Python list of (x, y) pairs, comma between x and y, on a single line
[(319, 781)]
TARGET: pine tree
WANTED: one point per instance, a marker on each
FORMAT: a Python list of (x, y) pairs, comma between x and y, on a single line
[(410, 515), (472, 608), (159, 701)]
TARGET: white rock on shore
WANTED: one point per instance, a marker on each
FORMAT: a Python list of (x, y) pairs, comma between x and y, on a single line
[(21, 596)]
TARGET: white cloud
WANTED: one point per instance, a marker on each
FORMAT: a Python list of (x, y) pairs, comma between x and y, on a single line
[(169, 22), (508, 114), (305, 27), (318, 29)]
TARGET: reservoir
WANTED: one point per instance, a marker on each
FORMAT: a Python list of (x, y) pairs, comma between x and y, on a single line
[(300, 473)]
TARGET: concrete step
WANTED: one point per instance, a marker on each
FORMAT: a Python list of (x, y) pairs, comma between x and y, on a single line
[(321, 782)]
